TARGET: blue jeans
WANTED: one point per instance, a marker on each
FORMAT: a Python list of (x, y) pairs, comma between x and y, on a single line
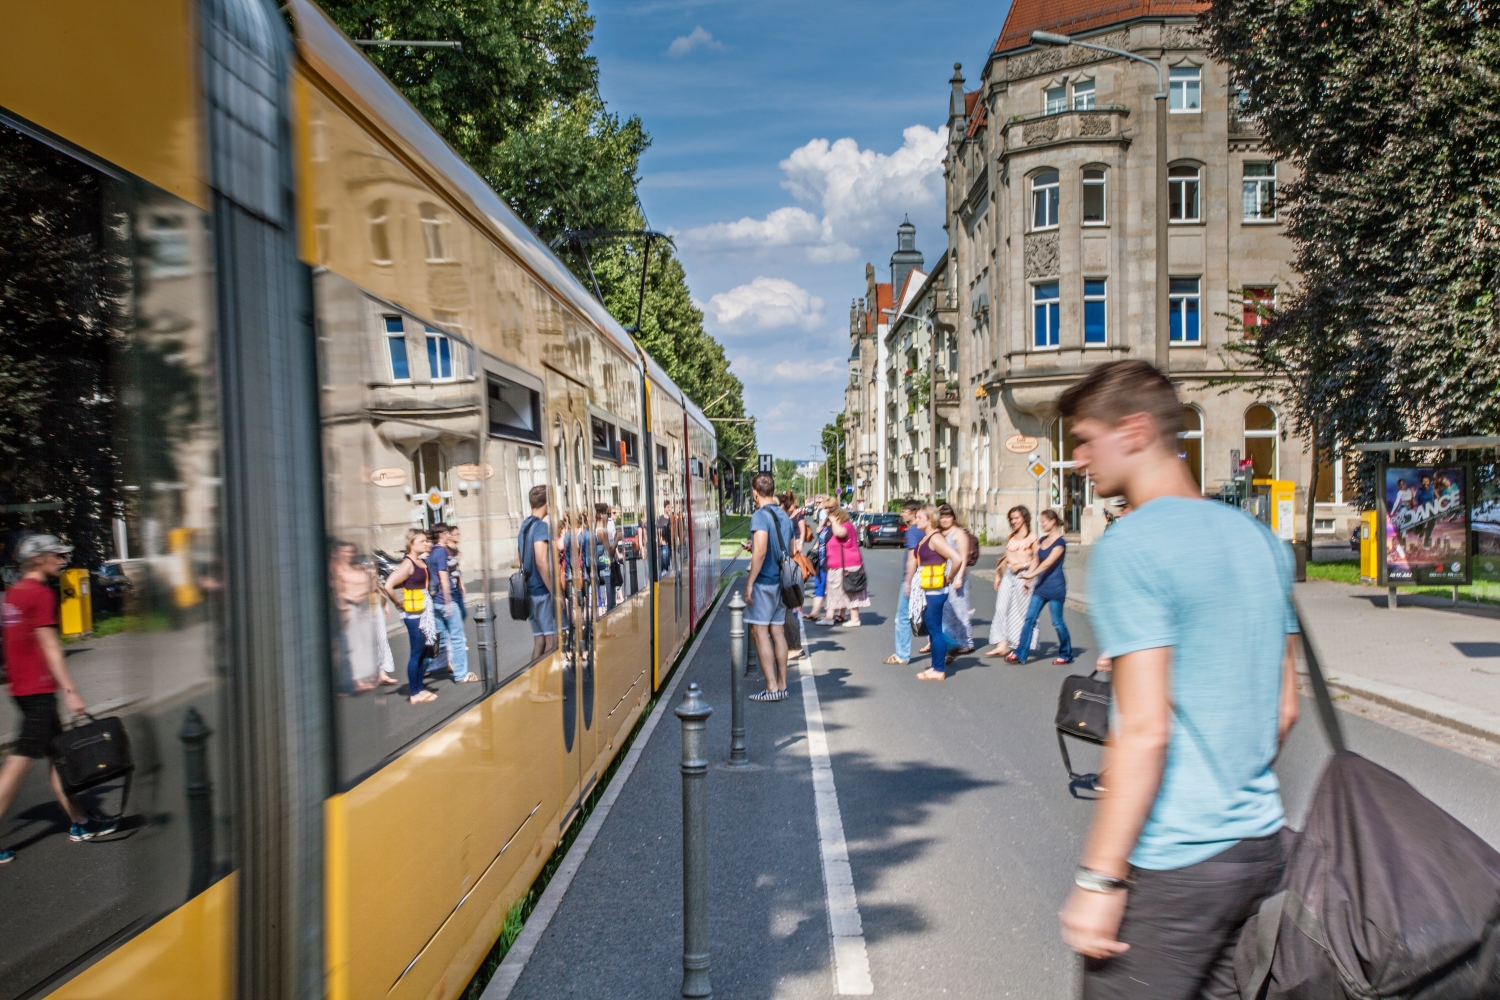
[(932, 617), (418, 645), (1033, 612), (451, 627), (903, 626)]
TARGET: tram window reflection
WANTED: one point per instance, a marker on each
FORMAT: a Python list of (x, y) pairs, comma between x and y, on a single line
[(106, 320)]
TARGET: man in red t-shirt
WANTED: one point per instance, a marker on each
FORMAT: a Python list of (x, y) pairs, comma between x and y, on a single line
[(34, 661)]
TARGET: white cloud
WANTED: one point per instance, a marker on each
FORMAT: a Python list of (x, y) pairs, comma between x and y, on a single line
[(696, 39), (758, 371), (859, 192), (765, 304)]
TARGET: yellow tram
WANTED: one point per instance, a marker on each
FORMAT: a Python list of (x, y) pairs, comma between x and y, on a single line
[(260, 322)]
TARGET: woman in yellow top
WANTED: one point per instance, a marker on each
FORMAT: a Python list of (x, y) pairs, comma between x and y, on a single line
[(410, 575), (936, 562)]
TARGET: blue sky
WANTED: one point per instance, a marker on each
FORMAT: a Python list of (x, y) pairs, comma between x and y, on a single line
[(789, 140)]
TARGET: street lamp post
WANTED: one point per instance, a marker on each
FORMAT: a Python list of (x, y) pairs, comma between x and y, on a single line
[(1163, 303)]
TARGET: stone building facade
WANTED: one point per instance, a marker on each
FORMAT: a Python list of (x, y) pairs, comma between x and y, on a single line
[(1050, 191)]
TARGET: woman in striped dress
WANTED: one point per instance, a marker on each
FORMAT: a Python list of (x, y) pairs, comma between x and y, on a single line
[(1015, 592)]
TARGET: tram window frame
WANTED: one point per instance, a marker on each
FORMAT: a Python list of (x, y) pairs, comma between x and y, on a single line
[(662, 461), (603, 436), (632, 442), (497, 387)]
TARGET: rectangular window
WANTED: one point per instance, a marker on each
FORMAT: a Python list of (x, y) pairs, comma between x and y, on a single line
[(1183, 293), (1095, 300), (1044, 196), (602, 434), (1046, 313), (661, 458), (1182, 194), (395, 338), (432, 233), (1056, 100), (1259, 191), (515, 410), (1259, 302), (1185, 88), (1093, 197), (1083, 95), (632, 443), (439, 356)]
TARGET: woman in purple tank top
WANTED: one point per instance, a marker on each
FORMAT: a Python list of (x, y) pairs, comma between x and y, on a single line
[(410, 575), (936, 560)]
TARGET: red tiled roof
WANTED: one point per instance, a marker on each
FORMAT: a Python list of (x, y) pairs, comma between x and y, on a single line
[(976, 119), (1069, 16), (882, 301)]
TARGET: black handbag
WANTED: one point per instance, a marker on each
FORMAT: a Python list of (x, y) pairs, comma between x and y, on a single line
[(855, 581), (92, 754), (1082, 713)]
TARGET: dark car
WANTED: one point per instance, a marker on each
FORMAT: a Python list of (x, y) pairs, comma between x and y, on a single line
[(110, 588), (885, 529)]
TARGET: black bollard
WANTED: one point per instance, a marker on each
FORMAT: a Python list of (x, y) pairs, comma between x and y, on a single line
[(694, 713), (739, 753), (200, 800)]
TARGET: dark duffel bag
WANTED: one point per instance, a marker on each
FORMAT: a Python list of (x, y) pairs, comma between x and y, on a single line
[(1082, 713), (520, 597), (1384, 894), (93, 754)]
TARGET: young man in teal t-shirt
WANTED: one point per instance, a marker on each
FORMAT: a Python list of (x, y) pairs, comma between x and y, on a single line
[(1192, 600)]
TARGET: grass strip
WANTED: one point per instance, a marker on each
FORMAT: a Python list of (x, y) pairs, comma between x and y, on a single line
[(1481, 591), (520, 910)]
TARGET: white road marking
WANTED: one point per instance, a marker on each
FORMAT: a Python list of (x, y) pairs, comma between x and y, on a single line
[(851, 964)]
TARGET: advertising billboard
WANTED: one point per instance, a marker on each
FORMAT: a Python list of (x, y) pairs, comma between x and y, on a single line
[(1425, 522)]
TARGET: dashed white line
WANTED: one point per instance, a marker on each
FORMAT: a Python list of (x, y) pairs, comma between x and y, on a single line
[(851, 964)]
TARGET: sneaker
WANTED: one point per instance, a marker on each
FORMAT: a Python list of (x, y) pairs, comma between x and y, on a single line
[(79, 832), (105, 827), (6, 857)]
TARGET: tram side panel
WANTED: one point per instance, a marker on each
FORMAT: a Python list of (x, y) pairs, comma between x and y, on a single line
[(410, 300), (669, 475), (705, 518)]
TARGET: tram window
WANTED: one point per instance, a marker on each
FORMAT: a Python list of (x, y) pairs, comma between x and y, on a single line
[(107, 313), (661, 458), (602, 433), (515, 411), (632, 443), (388, 476)]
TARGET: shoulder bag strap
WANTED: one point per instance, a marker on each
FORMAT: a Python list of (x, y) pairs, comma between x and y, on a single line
[(528, 550)]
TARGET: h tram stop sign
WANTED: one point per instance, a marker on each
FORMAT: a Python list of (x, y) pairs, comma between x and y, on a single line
[(767, 464), (1036, 467)]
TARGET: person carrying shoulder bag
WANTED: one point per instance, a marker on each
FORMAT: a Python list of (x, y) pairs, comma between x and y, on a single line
[(846, 573)]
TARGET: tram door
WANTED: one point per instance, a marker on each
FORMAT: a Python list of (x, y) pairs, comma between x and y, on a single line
[(572, 532)]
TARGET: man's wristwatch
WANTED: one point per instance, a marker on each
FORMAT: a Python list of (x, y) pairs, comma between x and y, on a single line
[(1091, 881)]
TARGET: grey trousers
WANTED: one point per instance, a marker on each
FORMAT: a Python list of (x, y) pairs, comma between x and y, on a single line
[(1182, 926)]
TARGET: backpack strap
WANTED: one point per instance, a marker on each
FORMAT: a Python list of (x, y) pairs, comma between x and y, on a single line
[(528, 551), (1267, 930)]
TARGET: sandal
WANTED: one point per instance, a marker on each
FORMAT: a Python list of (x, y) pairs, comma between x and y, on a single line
[(998, 651), (896, 660), (423, 698), (1060, 662), (926, 649), (388, 679), (1012, 658), (932, 675)]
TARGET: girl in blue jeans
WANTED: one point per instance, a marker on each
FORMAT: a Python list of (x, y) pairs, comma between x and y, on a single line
[(936, 562), (1050, 587), (407, 586)]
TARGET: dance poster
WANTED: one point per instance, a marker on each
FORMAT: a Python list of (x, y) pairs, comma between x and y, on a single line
[(1426, 518)]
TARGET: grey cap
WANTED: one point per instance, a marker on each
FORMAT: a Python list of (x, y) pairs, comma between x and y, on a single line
[(37, 545)]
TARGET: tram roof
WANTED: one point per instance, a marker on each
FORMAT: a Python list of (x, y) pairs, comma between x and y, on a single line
[(361, 82)]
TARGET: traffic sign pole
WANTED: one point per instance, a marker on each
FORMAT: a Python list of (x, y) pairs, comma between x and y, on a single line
[(1038, 469)]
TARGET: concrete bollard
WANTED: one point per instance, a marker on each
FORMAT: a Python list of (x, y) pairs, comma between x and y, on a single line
[(694, 713), (739, 753)]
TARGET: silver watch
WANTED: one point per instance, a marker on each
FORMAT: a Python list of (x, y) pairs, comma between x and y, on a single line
[(1091, 881)]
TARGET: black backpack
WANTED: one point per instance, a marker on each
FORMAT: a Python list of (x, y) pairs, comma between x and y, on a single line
[(520, 592), (1384, 894)]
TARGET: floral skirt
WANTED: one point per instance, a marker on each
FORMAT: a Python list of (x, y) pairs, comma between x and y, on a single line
[(837, 600)]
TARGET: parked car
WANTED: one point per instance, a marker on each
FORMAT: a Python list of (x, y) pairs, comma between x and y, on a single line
[(885, 529), (860, 520), (109, 589)]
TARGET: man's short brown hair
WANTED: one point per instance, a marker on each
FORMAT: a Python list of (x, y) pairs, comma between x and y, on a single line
[(912, 506), (1116, 389), (764, 484), (537, 497)]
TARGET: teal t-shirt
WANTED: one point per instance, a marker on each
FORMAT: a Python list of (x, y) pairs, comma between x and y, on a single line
[(1214, 584)]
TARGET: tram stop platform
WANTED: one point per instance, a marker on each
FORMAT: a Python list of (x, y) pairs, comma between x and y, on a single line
[(616, 929)]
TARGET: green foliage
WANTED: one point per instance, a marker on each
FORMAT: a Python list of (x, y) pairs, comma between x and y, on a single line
[(1387, 111), (520, 103), (788, 478)]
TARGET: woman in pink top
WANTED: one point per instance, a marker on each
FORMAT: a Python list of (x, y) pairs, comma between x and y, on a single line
[(843, 558)]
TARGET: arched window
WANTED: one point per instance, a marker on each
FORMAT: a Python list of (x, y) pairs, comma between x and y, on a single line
[(1182, 194), (1261, 435), (1044, 200), (1190, 442), (432, 233), (380, 240)]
